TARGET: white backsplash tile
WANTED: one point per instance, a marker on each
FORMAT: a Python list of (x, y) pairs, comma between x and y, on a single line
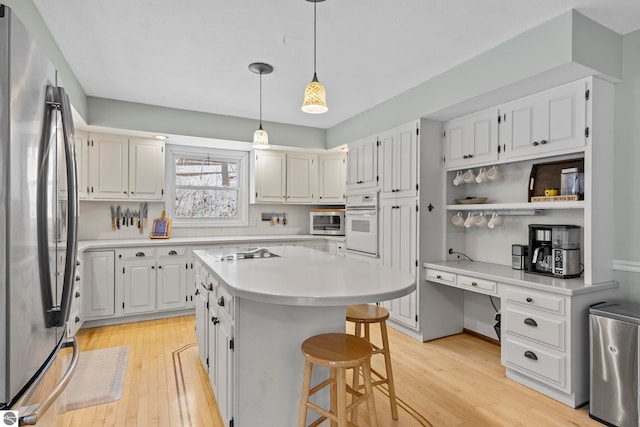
[(95, 222)]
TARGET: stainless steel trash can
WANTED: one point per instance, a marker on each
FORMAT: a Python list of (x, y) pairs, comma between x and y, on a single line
[(614, 397)]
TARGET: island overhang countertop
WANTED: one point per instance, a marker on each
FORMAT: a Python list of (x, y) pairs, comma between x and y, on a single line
[(303, 276)]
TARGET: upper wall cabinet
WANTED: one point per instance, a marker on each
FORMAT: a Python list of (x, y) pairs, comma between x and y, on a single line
[(550, 121), (332, 178), (399, 161), (472, 139), (280, 177), (123, 168), (82, 160), (362, 164)]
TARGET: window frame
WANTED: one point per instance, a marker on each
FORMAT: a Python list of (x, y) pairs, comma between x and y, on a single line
[(239, 156)]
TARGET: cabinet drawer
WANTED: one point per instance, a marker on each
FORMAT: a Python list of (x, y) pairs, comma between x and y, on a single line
[(534, 326), (441, 277), (169, 251), (135, 253), (530, 298), (478, 285), (225, 301), (544, 365)]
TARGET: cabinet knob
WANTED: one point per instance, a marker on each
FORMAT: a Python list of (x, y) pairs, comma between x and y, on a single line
[(530, 355), (124, 192), (215, 320), (77, 278), (535, 143), (210, 287), (465, 157), (221, 301), (439, 276), (544, 141), (77, 319), (77, 294), (197, 291), (173, 253), (159, 266), (474, 284), (78, 262), (153, 267), (529, 299), (531, 322)]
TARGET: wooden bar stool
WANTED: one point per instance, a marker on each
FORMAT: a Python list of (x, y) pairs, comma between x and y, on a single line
[(366, 314), (338, 352)]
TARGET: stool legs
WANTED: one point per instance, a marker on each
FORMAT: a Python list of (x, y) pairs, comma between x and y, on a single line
[(387, 363), (368, 388), (304, 395)]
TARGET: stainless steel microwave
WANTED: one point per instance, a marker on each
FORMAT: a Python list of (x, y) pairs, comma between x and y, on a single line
[(327, 221)]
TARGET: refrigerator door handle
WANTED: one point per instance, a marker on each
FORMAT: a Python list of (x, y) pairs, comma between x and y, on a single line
[(32, 418), (72, 207), (44, 152)]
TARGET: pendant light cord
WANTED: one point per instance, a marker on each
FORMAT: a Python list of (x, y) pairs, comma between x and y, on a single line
[(260, 99), (314, 38)]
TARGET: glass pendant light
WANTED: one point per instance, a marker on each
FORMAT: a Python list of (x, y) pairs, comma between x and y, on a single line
[(315, 96), (260, 136)]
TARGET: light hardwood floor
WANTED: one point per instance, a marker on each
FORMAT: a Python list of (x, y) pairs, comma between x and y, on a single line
[(453, 381)]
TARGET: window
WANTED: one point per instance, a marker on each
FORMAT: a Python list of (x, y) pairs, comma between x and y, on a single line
[(207, 187)]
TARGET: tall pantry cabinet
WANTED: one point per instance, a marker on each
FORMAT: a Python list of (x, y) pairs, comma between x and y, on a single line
[(409, 180)]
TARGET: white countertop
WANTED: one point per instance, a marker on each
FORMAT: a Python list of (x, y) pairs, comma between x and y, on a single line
[(303, 276), (505, 274), (84, 245)]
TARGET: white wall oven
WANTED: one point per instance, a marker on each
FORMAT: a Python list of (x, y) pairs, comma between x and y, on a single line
[(362, 224), (327, 221)]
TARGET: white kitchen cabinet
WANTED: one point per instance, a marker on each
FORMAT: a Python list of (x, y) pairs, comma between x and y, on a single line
[(82, 163), (551, 121), (125, 169), (332, 178), (302, 177), (362, 164), (99, 283), (398, 249), (202, 327), (224, 367), (109, 167), (399, 161), (337, 247), (471, 140), (212, 321), (281, 177), (139, 285), (171, 282), (146, 169)]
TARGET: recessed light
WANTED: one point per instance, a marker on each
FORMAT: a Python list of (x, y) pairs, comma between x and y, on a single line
[(161, 137)]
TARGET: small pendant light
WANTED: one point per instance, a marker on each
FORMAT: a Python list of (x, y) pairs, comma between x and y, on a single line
[(315, 96), (260, 137)]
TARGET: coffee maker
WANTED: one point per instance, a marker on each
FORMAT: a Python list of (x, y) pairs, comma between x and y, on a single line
[(554, 250)]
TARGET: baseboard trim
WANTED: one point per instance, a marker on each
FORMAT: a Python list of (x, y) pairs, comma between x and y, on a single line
[(479, 335), (136, 318), (621, 265)]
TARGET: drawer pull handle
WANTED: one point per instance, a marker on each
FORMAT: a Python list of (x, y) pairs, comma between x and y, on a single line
[(210, 286), (530, 355), (529, 321), (439, 276), (197, 291), (215, 320), (77, 319), (529, 299), (173, 253), (221, 301), (474, 284), (140, 254)]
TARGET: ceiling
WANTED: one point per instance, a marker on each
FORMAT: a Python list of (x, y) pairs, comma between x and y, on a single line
[(194, 54)]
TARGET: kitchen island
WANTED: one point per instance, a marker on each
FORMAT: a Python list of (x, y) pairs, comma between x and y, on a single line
[(264, 308)]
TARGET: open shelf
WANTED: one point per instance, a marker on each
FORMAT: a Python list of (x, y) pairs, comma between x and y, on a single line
[(523, 206)]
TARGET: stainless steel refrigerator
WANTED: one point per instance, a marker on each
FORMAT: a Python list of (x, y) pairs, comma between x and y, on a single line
[(38, 225)]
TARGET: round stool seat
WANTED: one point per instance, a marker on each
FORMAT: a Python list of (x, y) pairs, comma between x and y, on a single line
[(336, 350), (367, 313)]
